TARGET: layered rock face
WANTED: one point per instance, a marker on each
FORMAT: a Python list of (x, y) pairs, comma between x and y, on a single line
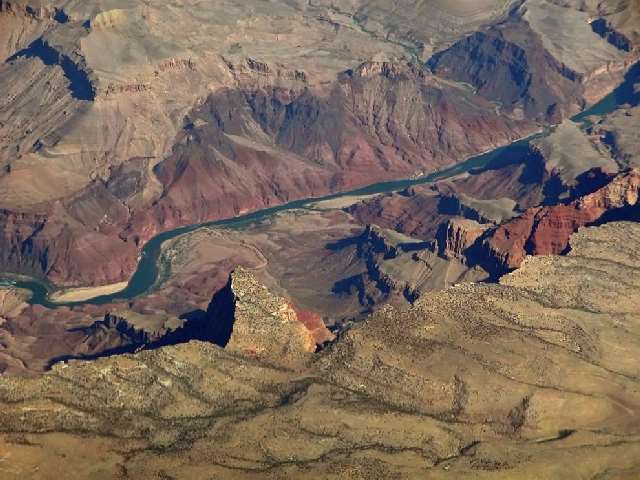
[(461, 228), (414, 211), (539, 69), (246, 317), (67, 251), (533, 375), (248, 149), (546, 230), (387, 267), (509, 65), (457, 235), (123, 331)]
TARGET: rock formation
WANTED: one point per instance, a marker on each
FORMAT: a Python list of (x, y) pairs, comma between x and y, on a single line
[(246, 317), (255, 122), (352, 338), (456, 236), (508, 65), (546, 230)]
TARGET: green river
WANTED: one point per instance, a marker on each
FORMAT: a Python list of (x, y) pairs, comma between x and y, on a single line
[(146, 274)]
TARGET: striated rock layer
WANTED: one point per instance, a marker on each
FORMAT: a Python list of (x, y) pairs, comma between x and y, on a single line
[(251, 148), (546, 230)]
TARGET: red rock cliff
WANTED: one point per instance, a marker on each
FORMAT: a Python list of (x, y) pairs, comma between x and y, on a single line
[(546, 230)]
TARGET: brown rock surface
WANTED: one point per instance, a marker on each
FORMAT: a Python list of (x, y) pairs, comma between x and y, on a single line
[(304, 99), (535, 376), (247, 318), (457, 235), (546, 230)]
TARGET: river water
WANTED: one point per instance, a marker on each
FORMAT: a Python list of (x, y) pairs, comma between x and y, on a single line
[(146, 274)]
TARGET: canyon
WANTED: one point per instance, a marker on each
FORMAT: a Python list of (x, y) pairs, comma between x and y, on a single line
[(125, 156), (319, 239)]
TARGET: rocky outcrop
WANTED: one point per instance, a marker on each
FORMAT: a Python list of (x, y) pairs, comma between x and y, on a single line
[(252, 72), (246, 317), (456, 236), (136, 329), (608, 77), (387, 267), (113, 334), (19, 247), (74, 67), (547, 230), (415, 211), (12, 302), (374, 241), (65, 253), (37, 12), (509, 65)]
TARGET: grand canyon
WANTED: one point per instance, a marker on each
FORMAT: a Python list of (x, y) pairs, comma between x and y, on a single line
[(325, 239)]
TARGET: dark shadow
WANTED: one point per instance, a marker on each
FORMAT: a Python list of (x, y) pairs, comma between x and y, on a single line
[(449, 205), (452, 206), (518, 153), (630, 213), (618, 40), (343, 243), (478, 255), (60, 16), (534, 171), (589, 182), (79, 83), (355, 285), (562, 434), (214, 326), (415, 246), (552, 190), (586, 183)]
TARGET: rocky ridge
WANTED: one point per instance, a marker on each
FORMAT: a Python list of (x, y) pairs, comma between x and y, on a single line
[(546, 230), (246, 317), (511, 380)]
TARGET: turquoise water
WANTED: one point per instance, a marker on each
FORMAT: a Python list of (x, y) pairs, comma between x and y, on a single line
[(146, 274), (626, 93)]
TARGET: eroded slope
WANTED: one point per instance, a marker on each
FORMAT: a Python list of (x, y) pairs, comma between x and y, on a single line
[(534, 376)]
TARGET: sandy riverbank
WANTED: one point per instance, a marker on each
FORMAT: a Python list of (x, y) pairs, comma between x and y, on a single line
[(342, 201), (82, 294)]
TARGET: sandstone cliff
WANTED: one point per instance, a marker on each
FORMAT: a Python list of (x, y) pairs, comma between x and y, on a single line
[(246, 317), (546, 230)]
